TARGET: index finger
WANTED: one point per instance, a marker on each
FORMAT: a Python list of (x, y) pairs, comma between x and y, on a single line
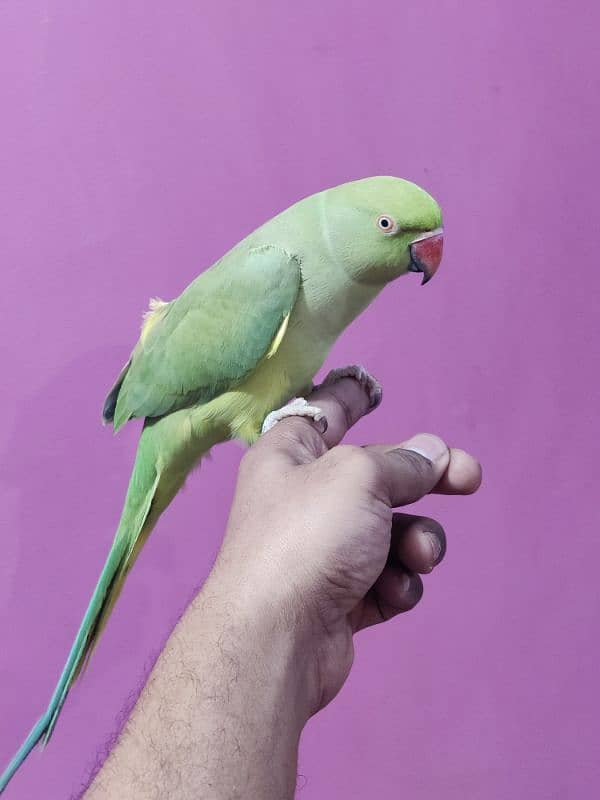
[(343, 403)]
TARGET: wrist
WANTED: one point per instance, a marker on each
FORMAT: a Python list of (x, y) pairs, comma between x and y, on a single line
[(226, 702), (274, 646)]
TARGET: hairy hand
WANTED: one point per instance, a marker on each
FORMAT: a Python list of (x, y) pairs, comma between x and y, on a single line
[(313, 553), (313, 541)]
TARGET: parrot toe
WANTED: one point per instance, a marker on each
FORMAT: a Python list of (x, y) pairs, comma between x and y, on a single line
[(369, 383), (298, 407)]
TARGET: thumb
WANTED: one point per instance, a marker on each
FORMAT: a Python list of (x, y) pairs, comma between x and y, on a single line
[(411, 470)]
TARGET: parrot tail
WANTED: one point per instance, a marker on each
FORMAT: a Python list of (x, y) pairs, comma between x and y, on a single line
[(140, 514)]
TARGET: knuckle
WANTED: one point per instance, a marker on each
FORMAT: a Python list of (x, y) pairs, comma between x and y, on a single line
[(339, 456), (352, 452), (299, 438), (360, 464), (354, 464)]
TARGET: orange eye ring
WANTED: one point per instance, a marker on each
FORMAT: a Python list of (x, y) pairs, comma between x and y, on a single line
[(387, 224)]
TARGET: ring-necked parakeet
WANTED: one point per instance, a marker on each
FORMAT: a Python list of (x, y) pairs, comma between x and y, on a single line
[(242, 339)]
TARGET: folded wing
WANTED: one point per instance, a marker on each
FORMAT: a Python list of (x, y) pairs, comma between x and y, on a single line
[(208, 339)]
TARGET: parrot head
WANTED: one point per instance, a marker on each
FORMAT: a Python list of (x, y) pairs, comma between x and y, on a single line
[(382, 227)]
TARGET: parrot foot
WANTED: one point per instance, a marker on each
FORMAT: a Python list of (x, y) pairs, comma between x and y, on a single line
[(298, 407), (366, 380)]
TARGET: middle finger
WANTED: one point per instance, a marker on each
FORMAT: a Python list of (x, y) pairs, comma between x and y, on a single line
[(419, 543)]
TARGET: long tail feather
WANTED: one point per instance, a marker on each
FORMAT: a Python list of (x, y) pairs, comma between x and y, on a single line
[(134, 528)]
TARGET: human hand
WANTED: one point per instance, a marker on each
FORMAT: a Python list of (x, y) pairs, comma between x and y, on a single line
[(313, 543), (313, 553)]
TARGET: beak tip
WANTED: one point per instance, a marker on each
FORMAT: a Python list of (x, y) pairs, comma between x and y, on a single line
[(426, 254)]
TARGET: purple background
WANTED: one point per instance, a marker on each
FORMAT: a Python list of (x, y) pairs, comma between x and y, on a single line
[(139, 141)]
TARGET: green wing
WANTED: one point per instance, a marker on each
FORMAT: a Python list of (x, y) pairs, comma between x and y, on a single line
[(208, 339)]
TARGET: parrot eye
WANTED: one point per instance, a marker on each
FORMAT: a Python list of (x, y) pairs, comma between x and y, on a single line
[(387, 224)]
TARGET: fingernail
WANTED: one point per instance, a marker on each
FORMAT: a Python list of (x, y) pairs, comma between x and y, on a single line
[(428, 446), (321, 424), (436, 547), (376, 398)]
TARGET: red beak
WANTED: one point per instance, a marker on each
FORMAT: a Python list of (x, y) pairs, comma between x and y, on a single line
[(426, 253)]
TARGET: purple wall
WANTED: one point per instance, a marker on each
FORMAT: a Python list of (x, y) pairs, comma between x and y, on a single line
[(138, 141)]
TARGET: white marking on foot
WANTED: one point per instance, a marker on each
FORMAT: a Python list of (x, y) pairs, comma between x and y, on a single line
[(298, 407), (359, 373)]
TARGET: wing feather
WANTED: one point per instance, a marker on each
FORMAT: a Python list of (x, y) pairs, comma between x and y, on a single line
[(211, 337)]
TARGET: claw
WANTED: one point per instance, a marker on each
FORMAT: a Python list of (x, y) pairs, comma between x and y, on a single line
[(298, 407)]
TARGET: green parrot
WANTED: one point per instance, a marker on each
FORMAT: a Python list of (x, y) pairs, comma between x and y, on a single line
[(246, 336)]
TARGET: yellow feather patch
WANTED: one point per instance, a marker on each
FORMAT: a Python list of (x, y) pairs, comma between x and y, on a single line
[(279, 336), (157, 308)]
